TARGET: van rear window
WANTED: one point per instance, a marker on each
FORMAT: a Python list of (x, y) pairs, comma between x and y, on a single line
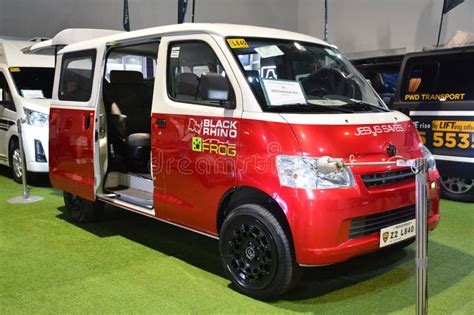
[(77, 72), (438, 78)]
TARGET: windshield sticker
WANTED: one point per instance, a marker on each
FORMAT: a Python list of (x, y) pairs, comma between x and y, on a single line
[(236, 43), (282, 92), (435, 97), (327, 102), (32, 93), (15, 69), (269, 51), (175, 52)]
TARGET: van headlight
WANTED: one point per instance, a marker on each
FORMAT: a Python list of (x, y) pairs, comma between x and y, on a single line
[(429, 157), (35, 118), (302, 172)]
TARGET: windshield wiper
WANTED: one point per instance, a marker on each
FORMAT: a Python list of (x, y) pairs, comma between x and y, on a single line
[(365, 105), (309, 108)]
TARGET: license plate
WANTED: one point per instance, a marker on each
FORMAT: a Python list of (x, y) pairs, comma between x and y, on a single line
[(397, 233)]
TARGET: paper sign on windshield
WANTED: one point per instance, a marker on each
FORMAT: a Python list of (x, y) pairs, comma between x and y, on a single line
[(32, 93), (282, 92), (269, 51)]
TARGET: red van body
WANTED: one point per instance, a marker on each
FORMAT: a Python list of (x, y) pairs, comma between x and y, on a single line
[(207, 161)]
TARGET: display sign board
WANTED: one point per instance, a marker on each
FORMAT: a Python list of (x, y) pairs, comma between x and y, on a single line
[(448, 136), (281, 92)]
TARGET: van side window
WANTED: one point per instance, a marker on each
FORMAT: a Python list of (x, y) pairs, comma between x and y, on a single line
[(77, 72), (444, 77), (188, 62), (6, 99)]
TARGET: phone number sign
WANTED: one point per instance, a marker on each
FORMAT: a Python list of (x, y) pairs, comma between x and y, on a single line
[(447, 135)]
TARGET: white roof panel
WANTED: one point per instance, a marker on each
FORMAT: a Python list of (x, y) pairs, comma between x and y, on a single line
[(224, 30), (11, 54)]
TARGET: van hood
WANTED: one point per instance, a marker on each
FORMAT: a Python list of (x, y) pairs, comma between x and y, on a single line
[(37, 104), (367, 137)]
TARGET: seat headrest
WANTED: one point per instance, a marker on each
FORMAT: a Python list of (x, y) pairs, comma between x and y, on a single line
[(187, 83), (126, 77)]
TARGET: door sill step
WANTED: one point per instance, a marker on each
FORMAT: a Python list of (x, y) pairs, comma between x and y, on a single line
[(121, 203), (131, 195)]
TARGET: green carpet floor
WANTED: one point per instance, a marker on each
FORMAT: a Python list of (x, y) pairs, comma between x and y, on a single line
[(132, 264)]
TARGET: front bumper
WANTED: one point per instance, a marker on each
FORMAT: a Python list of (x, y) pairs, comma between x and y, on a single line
[(320, 221)]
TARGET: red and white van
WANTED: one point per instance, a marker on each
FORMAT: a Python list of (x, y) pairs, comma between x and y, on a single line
[(217, 129)]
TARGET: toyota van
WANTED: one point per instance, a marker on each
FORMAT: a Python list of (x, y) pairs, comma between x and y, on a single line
[(218, 128), (26, 83)]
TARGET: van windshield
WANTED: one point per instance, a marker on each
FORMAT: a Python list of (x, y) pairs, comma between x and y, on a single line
[(289, 76), (33, 82)]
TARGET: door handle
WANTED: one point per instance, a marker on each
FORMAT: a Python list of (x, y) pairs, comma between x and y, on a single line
[(161, 123), (86, 122)]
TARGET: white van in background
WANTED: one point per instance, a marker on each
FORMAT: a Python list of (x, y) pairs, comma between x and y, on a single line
[(26, 82)]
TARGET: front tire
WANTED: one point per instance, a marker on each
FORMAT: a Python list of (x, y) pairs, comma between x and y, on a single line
[(257, 253), (16, 162), (80, 210), (457, 189)]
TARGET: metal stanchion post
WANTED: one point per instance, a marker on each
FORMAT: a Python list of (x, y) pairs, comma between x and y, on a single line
[(421, 237), (328, 165), (26, 198), (26, 191)]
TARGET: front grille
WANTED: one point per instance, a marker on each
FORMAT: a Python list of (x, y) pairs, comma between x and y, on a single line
[(387, 178), (370, 224)]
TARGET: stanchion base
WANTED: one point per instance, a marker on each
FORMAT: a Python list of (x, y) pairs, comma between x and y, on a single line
[(23, 200)]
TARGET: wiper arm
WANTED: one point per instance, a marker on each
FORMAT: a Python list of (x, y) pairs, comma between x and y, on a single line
[(365, 105), (310, 107)]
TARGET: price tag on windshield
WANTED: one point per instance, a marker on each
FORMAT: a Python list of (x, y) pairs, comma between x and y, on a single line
[(283, 92)]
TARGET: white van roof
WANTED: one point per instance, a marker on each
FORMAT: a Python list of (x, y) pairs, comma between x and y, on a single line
[(224, 30), (12, 54), (69, 36)]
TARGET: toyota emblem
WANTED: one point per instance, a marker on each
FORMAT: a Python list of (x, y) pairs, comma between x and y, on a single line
[(391, 150)]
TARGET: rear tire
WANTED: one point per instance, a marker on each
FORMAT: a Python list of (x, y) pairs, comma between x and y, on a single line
[(80, 210), (457, 189), (257, 253)]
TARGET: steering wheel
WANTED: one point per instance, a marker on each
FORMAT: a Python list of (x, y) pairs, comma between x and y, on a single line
[(326, 81)]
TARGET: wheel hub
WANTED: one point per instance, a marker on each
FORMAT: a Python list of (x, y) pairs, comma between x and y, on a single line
[(17, 163), (250, 252)]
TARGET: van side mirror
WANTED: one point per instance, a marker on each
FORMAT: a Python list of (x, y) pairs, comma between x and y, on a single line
[(214, 87)]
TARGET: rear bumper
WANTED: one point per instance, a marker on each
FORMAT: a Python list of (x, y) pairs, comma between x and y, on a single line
[(321, 220)]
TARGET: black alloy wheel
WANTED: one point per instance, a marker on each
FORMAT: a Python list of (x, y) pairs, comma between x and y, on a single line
[(256, 253)]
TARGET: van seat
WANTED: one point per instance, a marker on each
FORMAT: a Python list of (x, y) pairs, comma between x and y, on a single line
[(130, 117), (128, 94), (187, 84)]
